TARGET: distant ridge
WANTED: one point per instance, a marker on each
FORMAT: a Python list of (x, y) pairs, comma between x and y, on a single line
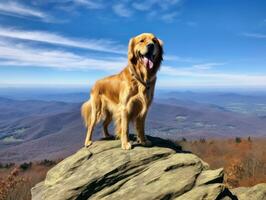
[(34, 130)]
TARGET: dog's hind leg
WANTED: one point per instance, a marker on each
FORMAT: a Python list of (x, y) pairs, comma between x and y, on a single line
[(106, 123), (88, 140), (93, 119)]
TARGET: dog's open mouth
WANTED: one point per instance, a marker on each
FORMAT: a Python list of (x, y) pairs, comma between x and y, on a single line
[(148, 61)]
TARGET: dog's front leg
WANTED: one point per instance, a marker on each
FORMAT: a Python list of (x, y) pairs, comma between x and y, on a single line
[(140, 128), (124, 129)]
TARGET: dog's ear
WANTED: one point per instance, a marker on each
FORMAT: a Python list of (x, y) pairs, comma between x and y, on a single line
[(160, 42), (131, 55), (161, 49)]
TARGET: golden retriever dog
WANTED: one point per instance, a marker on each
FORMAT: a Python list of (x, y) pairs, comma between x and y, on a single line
[(127, 96)]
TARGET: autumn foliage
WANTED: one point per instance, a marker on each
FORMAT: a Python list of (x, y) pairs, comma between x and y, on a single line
[(243, 159), (17, 180)]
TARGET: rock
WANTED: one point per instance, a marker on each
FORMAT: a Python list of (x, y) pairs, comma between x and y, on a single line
[(203, 192), (210, 176), (105, 171), (255, 192)]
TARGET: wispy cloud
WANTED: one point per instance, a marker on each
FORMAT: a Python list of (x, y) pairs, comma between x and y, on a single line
[(22, 54), (255, 35), (102, 45), (19, 10), (163, 9), (166, 10), (91, 4), (193, 70), (174, 58), (121, 10), (143, 6), (74, 5), (205, 66), (169, 17), (190, 77), (167, 4), (148, 4), (17, 54)]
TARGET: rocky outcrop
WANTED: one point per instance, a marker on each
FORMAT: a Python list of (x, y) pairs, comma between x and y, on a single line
[(255, 192), (105, 171)]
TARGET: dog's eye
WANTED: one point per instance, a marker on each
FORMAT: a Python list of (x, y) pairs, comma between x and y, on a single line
[(142, 40)]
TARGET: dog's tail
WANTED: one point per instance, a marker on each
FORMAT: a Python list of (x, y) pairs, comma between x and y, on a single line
[(86, 112)]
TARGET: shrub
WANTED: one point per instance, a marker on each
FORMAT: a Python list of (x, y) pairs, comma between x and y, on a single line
[(9, 184), (237, 139), (47, 163), (25, 166), (7, 165), (202, 140)]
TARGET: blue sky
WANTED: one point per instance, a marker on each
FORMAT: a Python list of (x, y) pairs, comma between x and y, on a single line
[(208, 44)]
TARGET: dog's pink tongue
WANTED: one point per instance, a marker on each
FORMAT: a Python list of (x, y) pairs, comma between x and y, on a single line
[(148, 63)]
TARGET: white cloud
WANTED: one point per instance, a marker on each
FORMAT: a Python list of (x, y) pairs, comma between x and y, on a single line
[(167, 4), (19, 10), (21, 55), (159, 8), (90, 4), (255, 35), (172, 71), (205, 66), (169, 17), (192, 77), (13, 54), (148, 4), (73, 5), (102, 45), (144, 5), (122, 10), (180, 59), (141, 6)]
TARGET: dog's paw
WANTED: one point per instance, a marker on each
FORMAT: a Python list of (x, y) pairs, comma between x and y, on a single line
[(88, 143), (126, 146), (146, 143)]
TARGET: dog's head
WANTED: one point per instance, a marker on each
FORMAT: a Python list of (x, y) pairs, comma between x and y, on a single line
[(145, 51)]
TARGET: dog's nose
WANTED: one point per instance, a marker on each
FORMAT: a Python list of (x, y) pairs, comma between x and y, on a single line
[(150, 47)]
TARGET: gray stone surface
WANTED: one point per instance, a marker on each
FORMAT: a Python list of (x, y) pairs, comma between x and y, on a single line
[(255, 192), (105, 171)]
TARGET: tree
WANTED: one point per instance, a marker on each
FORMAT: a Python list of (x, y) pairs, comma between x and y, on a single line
[(202, 140), (237, 139), (25, 166)]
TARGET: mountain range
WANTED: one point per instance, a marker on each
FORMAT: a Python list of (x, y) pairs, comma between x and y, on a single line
[(35, 129)]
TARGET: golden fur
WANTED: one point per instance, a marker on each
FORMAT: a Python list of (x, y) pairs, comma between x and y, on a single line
[(126, 97)]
